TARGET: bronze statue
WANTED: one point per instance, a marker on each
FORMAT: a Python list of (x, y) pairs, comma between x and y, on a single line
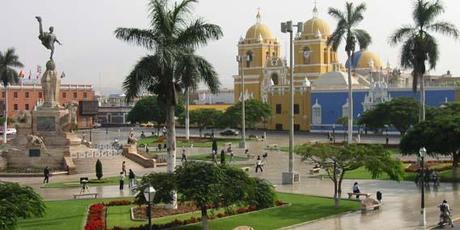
[(48, 38)]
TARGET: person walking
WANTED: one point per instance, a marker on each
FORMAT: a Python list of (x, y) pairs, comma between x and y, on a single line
[(122, 180), (46, 174), (231, 156), (259, 164), (246, 152), (184, 157), (132, 178), (123, 167), (214, 156)]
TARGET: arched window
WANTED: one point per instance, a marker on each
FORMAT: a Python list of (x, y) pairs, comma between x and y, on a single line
[(267, 55), (316, 113), (275, 79), (249, 58), (306, 55)]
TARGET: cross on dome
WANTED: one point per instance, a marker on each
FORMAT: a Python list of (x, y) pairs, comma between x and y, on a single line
[(315, 10), (258, 16)]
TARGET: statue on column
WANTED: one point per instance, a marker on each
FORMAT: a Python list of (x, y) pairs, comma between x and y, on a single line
[(47, 38)]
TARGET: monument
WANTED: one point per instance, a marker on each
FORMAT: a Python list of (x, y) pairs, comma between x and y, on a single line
[(44, 136)]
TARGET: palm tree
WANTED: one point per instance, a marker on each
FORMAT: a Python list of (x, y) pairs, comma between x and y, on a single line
[(8, 75), (172, 38), (346, 30), (419, 45)]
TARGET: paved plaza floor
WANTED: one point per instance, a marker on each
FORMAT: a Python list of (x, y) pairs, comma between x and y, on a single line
[(401, 201)]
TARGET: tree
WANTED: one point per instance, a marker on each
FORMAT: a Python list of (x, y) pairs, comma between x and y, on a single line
[(419, 45), (8, 75), (205, 118), (262, 194), (401, 113), (337, 160), (201, 183), (346, 30), (99, 169), (164, 184), (439, 134), (18, 202), (256, 111), (172, 38)]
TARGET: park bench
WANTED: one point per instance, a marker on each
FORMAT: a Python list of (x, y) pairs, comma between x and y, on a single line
[(314, 170), (350, 194), (85, 194)]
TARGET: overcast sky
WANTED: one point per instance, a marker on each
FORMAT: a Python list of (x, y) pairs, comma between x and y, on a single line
[(91, 55)]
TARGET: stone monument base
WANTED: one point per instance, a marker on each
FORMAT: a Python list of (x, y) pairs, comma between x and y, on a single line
[(290, 178)]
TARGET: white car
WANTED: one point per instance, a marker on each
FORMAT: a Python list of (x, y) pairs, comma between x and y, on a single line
[(9, 131)]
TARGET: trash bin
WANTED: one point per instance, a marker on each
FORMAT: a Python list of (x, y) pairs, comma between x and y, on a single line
[(379, 196)]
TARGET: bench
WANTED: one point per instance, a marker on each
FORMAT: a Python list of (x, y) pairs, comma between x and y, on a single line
[(314, 170), (85, 194), (350, 194)]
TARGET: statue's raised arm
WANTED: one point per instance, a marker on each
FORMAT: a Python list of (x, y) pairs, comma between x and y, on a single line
[(47, 38)]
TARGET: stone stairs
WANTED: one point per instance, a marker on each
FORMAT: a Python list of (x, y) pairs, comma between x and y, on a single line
[(110, 164)]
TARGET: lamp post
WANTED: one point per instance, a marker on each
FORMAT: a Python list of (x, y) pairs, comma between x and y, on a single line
[(287, 27), (240, 59), (149, 194), (386, 135), (422, 153), (333, 133)]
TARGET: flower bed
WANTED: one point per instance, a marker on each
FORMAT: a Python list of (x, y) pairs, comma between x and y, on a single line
[(140, 212), (430, 165), (96, 219), (176, 223)]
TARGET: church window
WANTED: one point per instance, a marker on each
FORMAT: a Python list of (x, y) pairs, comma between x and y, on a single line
[(296, 109), (64, 94), (15, 106), (316, 113), (15, 94), (275, 79), (40, 94), (249, 58), (274, 54), (306, 55), (26, 94), (267, 55), (26, 106)]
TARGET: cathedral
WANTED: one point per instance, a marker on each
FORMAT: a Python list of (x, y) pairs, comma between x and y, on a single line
[(320, 79)]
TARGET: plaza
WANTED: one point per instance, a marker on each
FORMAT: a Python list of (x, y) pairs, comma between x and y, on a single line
[(147, 115)]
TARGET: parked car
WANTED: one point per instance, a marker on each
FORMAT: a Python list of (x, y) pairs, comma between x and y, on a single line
[(229, 132), (96, 125), (208, 135), (9, 131)]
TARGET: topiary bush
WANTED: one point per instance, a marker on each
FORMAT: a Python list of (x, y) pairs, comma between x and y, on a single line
[(99, 169)]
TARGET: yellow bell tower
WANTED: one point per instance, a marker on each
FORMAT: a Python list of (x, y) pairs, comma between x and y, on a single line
[(260, 44), (312, 54)]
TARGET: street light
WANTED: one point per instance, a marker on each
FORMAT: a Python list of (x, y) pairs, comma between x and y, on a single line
[(149, 194), (240, 59), (287, 27), (422, 153)]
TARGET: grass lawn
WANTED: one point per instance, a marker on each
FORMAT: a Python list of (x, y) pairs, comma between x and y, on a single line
[(67, 214), (362, 174), (303, 208), (446, 176), (92, 182), (207, 157)]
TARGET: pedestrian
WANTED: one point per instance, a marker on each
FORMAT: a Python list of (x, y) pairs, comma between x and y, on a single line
[(123, 167), (132, 178), (146, 149), (229, 149), (164, 131), (214, 156), (246, 151), (184, 157), (159, 147), (356, 189), (164, 146), (46, 174), (259, 164), (122, 180), (142, 134), (222, 157)]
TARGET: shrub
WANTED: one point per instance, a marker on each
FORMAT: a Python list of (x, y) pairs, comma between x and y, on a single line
[(119, 203), (262, 194), (220, 215), (98, 169)]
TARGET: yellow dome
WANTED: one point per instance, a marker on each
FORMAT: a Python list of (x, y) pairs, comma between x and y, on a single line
[(367, 57), (257, 30), (312, 26)]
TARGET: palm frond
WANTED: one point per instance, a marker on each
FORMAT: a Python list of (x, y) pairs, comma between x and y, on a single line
[(160, 19), (432, 51), (144, 74), (208, 74), (363, 37), (337, 14), (407, 56), (433, 10), (198, 33), (182, 10), (336, 38), (357, 15), (445, 28), (402, 33), (141, 37)]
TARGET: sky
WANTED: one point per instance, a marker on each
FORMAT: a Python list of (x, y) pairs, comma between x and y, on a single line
[(90, 53)]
